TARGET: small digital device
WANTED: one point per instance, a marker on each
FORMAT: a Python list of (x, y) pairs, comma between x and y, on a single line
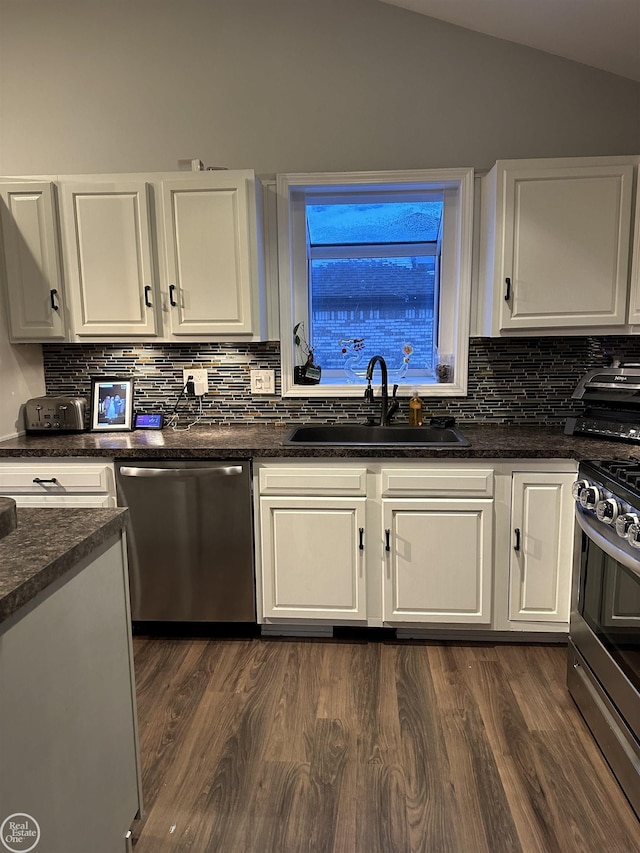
[(148, 420)]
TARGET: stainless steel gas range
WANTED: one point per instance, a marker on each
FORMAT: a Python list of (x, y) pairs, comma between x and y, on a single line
[(604, 648)]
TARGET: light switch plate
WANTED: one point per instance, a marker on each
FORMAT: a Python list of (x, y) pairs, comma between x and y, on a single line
[(200, 380), (263, 382)]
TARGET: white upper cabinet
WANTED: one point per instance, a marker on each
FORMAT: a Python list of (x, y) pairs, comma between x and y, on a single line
[(109, 265), (30, 237), (212, 271), (555, 246), (158, 256)]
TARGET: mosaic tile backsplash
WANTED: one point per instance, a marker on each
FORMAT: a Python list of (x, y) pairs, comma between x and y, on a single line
[(528, 381)]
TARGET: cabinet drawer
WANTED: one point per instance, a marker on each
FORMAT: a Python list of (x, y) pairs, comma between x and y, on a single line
[(450, 482), (55, 478), (310, 480)]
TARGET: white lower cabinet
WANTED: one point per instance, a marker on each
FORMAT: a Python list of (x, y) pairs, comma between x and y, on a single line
[(313, 557), (542, 513), (438, 560), (56, 482), (418, 545), (373, 545)]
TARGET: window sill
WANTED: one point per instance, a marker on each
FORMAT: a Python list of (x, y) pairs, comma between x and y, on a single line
[(430, 391)]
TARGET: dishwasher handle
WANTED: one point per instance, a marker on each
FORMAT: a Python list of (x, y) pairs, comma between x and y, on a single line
[(221, 471)]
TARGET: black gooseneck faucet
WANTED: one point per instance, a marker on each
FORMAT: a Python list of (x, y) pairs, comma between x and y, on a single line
[(387, 411)]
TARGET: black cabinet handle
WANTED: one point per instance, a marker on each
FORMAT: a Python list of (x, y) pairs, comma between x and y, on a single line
[(172, 290), (507, 295), (41, 481), (516, 547), (387, 539), (147, 301), (361, 533), (53, 294)]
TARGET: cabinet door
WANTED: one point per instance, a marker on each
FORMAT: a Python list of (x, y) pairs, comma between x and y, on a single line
[(31, 246), (210, 254), (634, 291), (542, 547), (108, 256), (566, 237), (437, 560), (313, 558)]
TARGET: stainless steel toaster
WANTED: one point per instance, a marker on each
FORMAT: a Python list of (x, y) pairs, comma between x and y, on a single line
[(60, 414)]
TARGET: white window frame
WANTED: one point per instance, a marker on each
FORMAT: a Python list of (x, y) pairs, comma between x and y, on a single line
[(293, 190)]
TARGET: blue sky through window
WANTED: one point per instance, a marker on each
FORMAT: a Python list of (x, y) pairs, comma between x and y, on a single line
[(387, 222)]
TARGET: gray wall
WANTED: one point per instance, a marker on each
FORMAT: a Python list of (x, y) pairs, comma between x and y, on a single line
[(279, 86), (286, 85)]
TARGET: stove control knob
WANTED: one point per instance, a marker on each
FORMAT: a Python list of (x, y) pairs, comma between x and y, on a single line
[(590, 496), (624, 522), (577, 488), (608, 510), (633, 535)]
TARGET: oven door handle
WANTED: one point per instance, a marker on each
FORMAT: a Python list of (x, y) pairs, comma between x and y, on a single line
[(605, 544)]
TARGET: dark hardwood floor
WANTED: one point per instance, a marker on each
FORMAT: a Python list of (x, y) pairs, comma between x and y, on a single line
[(293, 746)]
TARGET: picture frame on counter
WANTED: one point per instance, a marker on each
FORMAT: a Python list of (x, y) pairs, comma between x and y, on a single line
[(111, 403)]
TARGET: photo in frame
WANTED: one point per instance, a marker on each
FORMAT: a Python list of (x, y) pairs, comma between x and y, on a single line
[(111, 403)]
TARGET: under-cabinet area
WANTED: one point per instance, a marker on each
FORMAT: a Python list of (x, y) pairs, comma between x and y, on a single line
[(469, 546)]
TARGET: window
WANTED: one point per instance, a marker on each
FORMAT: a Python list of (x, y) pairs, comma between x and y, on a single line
[(375, 264), (374, 284)]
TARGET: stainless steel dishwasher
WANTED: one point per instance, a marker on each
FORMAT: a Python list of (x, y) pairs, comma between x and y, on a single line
[(190, 540)]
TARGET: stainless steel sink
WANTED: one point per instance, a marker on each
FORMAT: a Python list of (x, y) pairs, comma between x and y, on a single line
[(360, 434)]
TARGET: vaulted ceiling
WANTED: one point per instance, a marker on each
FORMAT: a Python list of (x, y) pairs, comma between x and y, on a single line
[(602, 33)]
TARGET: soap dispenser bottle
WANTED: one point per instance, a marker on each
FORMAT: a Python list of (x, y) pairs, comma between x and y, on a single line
[(415, 410)]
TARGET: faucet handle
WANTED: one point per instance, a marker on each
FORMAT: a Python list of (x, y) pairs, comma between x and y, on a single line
[(395, 388)]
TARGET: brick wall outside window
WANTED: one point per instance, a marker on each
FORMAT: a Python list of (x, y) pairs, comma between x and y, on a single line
[(389, 303)]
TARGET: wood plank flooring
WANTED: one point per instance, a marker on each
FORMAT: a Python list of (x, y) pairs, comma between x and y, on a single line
[(311, 746)]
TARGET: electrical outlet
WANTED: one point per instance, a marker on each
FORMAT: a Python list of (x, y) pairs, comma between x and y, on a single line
[(200, 380), (263, 382)]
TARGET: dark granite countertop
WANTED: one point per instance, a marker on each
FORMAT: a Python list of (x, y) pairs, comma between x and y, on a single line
[(8, 516), (46, 544), (267, 440)]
